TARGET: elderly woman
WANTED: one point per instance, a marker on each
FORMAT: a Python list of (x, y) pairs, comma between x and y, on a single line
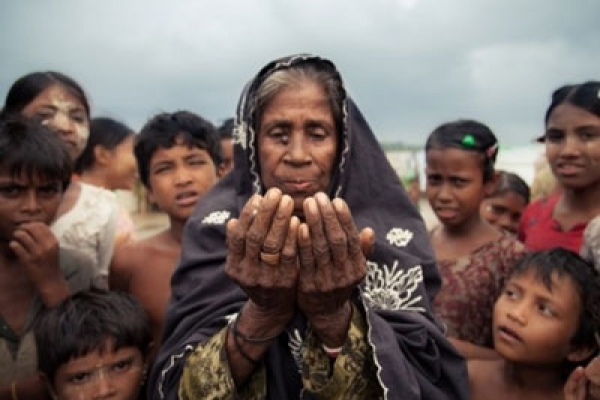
[(282, 291)]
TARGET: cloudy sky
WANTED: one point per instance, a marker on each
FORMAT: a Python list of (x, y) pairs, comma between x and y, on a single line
[(409, 64)]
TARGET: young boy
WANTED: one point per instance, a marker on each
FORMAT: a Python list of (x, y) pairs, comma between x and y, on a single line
[(35, 170), (544, 325), (226, 135), (94, 346), (178, 159)]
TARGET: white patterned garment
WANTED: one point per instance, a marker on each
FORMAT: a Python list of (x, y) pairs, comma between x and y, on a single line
[(90, 226)]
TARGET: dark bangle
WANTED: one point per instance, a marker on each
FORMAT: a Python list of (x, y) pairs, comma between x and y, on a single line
[(239, 349), (249, 339)]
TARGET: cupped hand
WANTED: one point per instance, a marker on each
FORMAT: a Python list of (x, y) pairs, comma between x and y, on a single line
[(332, 256), (261, 257), (37, 249)]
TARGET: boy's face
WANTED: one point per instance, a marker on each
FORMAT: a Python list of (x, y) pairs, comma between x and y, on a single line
[(533, 325), (111, 374), (24, 200), (179, 177)]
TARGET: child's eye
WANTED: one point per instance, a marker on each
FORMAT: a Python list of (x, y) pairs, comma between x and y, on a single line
[(79, 117), (80, 378), (122, 366), (588, 134), (11, 190), (434, 179), (498, 210), (546, 309), (162, 169), (459, 182), (510, 293), (197, 162), (49, 190), (554, 136)]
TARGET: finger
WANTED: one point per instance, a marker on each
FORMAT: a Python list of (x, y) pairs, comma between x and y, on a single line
[(235, 247), (320, 246), (575, 387), (273, 242), (41, 234), (367, 240), (24, 237), (262, 222), (20, 251), (335, 234), (290, 250), (355, 250), (237, 228), (307, 259)]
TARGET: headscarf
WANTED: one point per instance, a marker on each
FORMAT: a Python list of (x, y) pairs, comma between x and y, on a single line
[(413, 358)]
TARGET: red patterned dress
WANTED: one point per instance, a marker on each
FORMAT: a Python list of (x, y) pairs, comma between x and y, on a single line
[(470, 286)]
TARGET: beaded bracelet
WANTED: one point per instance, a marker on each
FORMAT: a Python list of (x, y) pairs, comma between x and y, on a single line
[(237, 333)]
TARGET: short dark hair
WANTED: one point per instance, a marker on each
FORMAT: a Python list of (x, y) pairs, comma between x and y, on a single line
[(163, 131), (27, 147), (469, 135), (226, 129), (105, 132), (84, 322), (25, 89), (511, 182), (583, 95), (562, 262)]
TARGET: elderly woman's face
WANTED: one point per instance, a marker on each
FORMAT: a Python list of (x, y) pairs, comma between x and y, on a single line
[(297, 142)]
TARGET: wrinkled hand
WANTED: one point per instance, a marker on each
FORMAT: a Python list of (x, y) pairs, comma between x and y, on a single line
[(262, 247), (584, 383), (37, 249), (332, 257)]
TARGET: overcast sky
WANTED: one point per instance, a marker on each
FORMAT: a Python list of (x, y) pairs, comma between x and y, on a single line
[(409, 64)]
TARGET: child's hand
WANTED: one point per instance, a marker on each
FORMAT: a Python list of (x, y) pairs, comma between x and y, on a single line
[(36, 247)]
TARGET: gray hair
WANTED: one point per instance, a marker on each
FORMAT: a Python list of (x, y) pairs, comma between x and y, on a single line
[(300, 73)]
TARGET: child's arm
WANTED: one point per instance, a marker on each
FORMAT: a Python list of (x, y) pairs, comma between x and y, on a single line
[(119, 274), (37, 249)]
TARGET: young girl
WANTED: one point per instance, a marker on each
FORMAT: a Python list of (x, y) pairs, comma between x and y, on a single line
[(108, 162), (87, 216), (544, 325), (473, 256), (572, 141), (503, 208)]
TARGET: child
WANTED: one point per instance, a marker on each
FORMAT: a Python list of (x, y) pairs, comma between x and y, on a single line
[(544, 325), (503, 208), (473, 256), (226, 135), (572, 140), (94, 345), (35, 170), (108, 162), (87, 216), (178, 157)]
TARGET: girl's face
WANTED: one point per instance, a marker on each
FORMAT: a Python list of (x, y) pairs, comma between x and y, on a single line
[(455, 187), (504, 210), (573, 146), (122, 167), (59, 109)]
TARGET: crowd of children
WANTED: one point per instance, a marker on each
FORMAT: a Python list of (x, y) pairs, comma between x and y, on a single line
[(82, 304)]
